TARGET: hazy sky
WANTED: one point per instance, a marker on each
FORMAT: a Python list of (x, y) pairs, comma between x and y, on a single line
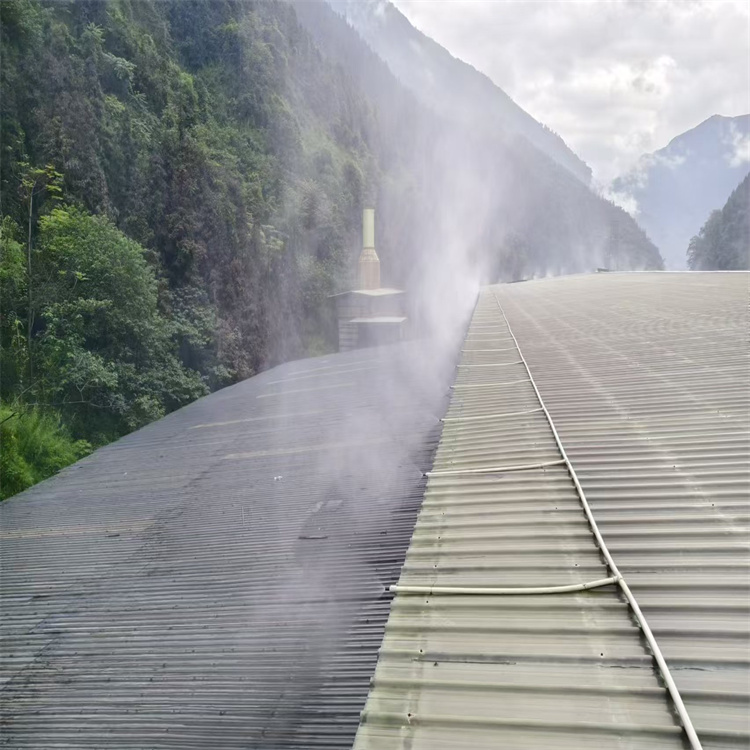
[(615, 78)]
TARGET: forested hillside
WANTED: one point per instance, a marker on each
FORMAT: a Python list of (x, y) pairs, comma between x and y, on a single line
[(182, 185), (723, 243)]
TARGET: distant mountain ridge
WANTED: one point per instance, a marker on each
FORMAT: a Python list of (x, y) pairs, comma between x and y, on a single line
[(448, 85), (672, 191)]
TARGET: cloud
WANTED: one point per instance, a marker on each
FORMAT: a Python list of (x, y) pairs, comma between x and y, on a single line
[(380, 8), (739, 147), (615, 79), (636, 179), (622, 198)]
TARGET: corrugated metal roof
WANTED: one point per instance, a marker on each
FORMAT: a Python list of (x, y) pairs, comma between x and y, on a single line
[(216, 580), (646, 379), (560, 670)]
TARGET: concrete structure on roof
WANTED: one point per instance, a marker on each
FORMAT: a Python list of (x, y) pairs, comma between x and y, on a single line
[(218, 578), (369, 315)]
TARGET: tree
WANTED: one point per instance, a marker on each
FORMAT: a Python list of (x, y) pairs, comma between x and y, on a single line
[(109, 359), (13, 300), (35, 445), (34, 183), (723, 242)]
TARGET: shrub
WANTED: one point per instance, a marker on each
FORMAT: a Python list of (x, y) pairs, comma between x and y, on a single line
[(33, 446)]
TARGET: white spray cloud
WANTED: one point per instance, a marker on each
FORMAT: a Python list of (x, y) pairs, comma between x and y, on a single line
[(622, 192), (739, 147), (622, 198)]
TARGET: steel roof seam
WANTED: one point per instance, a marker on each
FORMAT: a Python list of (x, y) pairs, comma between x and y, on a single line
[(489, 416), (511, 591), (658, 656), (495, 469)]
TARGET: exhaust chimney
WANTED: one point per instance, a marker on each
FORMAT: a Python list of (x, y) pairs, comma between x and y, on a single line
[(368, 270), (369, 315)]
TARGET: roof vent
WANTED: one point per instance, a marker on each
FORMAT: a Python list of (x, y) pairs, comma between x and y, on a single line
[(368, 270)]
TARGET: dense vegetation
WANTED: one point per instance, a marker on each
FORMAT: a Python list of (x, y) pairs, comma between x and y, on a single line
[(723, 243), (196, 215), (182, 185)]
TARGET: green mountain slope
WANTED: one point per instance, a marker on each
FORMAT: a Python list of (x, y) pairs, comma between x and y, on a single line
[(723, 243)]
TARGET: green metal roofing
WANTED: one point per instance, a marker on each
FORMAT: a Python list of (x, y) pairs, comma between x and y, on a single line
[(645, 380)]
